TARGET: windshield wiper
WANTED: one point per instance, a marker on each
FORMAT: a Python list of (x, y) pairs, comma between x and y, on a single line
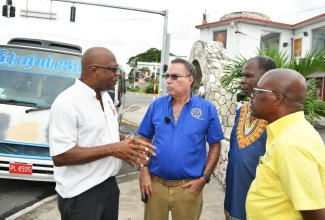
[(37, 109), (17, 102)]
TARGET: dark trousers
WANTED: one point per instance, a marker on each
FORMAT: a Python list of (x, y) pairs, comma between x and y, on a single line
[(98, 203)]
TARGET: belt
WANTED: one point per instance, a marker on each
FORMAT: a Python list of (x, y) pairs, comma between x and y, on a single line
[(169, 183)]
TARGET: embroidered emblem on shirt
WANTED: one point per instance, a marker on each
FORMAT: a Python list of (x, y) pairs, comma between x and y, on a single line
[(111, 107), (267, 156), (196, 113), (248, 131)]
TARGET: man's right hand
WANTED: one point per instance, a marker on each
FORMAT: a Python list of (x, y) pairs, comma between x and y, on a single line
[(145, 183), (134, 151)]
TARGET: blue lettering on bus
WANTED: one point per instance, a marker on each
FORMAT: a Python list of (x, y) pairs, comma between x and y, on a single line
[(10, 59)]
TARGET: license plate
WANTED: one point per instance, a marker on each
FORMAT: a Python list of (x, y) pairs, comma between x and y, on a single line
[(21, 168)]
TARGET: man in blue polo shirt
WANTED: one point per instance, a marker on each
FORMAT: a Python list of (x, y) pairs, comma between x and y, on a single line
[(179, 124)]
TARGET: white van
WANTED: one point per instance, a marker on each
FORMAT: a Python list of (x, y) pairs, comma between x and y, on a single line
[(33, 71)]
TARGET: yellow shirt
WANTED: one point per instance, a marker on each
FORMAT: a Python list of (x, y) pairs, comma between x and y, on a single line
[(291, 174)]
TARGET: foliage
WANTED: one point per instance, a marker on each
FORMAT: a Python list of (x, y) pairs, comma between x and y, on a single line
[(314, 107), (135, 89), (130, 78), (149, 89), (151, 55), (313, 61), (232, 74), (280, 57), (144, 69)]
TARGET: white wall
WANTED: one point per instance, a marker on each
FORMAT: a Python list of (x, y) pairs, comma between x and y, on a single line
[(307, 41), (247, 43)]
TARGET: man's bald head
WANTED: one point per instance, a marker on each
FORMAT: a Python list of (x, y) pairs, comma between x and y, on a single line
[(288, 82), (95, 56), (279, 92), (96, 63)]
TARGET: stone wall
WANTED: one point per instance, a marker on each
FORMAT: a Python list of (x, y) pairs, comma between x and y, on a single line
[(209, 58), (247, 14)]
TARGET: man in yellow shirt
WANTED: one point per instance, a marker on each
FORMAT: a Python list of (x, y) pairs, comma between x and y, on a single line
[(290, 178)]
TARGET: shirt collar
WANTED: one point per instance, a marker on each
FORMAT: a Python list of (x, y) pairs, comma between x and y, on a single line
[(85, 88), (277, 127), (170, 99)]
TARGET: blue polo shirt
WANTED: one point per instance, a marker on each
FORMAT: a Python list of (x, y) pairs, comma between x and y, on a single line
[(181, 149)]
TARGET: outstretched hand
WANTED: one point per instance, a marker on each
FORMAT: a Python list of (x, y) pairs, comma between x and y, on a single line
[(134, 151)]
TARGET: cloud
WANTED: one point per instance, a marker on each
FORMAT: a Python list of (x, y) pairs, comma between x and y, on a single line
[(128, 33)]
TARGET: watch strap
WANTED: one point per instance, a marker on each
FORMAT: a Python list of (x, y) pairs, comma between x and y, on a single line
[(206, 177)]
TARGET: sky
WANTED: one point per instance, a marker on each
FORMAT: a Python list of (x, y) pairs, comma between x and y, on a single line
[(127, 33)]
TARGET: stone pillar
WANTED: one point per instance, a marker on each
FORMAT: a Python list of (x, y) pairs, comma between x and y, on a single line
[(209, 58)]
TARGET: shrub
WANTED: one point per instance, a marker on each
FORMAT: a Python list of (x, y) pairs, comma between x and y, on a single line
[(135, 89), (149, 89)]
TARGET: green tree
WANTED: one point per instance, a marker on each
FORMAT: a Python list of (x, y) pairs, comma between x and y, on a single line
[(144, 69), (312, 62), (151, 55)]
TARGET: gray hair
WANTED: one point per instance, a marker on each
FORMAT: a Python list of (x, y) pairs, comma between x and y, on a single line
[(189, 66)]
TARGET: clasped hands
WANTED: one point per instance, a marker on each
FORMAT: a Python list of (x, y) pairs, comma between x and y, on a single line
[(137, 151)]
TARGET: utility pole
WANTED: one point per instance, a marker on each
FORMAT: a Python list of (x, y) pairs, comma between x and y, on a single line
[(155, 82), (164, 49), (162, 83)]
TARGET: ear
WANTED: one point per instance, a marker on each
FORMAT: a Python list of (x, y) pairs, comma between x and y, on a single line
[(279, 99), (93, 72), (191, 80)]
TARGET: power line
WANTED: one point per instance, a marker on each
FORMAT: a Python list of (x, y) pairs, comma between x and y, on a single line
[(297, 12)]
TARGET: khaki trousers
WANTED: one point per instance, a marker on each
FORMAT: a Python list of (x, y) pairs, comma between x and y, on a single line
[(182, 204)]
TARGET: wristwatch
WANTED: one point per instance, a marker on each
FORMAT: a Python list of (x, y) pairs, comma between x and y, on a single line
[(206, 177), (144, 165)]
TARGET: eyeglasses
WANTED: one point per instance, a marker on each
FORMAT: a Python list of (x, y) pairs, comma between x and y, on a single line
[(172, 76), (258, 90), (113, 69)]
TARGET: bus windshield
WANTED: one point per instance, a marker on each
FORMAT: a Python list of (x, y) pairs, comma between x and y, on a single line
[(35, 77)]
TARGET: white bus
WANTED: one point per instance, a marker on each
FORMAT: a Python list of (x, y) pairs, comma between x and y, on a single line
[(33, 71)]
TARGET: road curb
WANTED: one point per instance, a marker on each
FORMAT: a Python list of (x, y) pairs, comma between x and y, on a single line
[(129, 123), (30, 208), (120, 179)]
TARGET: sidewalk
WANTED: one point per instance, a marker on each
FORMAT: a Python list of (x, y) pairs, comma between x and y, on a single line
[(131, 207)]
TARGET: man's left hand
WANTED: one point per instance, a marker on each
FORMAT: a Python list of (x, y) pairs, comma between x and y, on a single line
[(195, 186)]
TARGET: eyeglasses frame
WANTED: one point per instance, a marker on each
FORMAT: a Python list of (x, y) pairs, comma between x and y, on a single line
[(172, 76), (113, 69), (266, 90)]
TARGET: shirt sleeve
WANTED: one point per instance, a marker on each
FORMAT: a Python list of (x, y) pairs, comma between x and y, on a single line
[(300, 177), (62, 129), (215, 133), (146, 128)]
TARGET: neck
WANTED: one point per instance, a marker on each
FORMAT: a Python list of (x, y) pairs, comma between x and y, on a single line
[(180, 101), (99, 97)]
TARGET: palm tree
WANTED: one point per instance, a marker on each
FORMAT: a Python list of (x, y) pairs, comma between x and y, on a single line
[(312, 62)]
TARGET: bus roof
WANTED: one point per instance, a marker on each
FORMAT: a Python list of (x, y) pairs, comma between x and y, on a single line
[(49, 41)]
